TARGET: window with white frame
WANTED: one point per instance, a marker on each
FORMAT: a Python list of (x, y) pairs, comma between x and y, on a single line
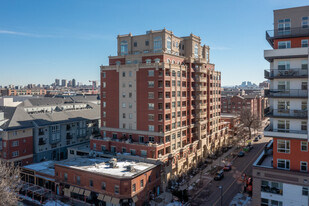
[(150, 95), (284, 26), (157, 60), (283, 164), (123, 105), (15, 143), (304, 22), (304, 146), (151, 128), (283, 146), (283, 125), (303, 166), (304, 43), (283, 65), (283, 85), (104, 74), (304, 125), (283, 106), (150, 106), (130, 73), (284, 44)]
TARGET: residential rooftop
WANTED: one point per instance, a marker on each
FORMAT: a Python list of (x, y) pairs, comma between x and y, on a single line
[(107, 166), (266, 157)]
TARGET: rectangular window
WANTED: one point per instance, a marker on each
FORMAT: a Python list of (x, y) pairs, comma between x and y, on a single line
[(123, 105), (304, 22), (65, 176), (283, 146), (133, 152), (142, 183), (78, 180), (91, 183), (284, 44), (147, 43), (283, 164), (303, 166), (143, 153), (150, 95), (304, 43), (103, 186), (151, 106), (150, 73), (116, 188), (150, 84), (15, 154), (150, 117), (305, 191), (104, 74), (130, 116), (304, 146), (130, 73), (304, 64), (304, 125), (134, 187), (15, 143), (283, 125), (151, 128), (304, 86)]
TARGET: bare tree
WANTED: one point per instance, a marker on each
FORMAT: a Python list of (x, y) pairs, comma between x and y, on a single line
[(257, 125), (248, 120), (241, 134), (10, 183)]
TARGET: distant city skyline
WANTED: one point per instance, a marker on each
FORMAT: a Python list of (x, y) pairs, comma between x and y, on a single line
[(41, 40)]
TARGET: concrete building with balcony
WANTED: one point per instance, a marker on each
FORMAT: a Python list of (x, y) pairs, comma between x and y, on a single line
[(280, 174), (161, 99)]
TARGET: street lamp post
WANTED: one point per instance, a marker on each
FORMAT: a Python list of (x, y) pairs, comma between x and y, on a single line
[(220, 187)]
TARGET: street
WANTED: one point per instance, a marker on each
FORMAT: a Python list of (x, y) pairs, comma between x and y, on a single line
[(210, 194)]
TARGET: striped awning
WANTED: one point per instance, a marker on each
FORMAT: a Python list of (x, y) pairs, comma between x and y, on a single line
[(81, 191), (107, 198), (115, 201), (135, 198), (100, 197), (87, 193)]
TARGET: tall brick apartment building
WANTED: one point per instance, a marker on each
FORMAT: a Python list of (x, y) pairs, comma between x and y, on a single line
[(280, 174), (161, 100)]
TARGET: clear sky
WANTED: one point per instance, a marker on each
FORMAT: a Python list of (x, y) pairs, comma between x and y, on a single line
[(44, 40)]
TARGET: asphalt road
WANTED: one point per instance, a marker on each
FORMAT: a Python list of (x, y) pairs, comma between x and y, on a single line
[(210, 195)]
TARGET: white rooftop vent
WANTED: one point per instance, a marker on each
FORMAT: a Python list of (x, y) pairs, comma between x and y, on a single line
[(113, 164), (131, 168)]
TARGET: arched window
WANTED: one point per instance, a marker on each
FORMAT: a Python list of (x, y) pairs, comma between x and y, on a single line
[(174, 62), (148, 61), (196, 51), (169, 45), (168, 61), (157, 44), (123, 48), (173, 73)]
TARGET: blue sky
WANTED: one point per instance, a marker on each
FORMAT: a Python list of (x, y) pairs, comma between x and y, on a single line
[(44, 40)]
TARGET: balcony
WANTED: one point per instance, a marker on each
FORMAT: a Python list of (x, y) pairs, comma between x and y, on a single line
[(287, 113), (272, 54), (200, 88), (291, 93), (42, 141), (270, 131), (279, 33), (288, 73)]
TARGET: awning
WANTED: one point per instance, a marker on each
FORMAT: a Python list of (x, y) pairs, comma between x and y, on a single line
[(87, 193), (100, 197), (115, 201), (135, 198), (81, 191), (107, 198), (76, 190)]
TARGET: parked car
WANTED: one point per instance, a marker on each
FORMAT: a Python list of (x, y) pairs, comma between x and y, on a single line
[(227, 167), (256, 139), (249, 146), (260, 136), (219, 175), (241, 154)]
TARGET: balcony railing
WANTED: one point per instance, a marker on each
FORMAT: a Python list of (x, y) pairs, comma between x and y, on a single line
[(287, 113), (297, 93), (288, 73), (286, 33), (270, 128)]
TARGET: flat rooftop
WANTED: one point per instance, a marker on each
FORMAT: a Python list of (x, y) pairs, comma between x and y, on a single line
[(102, 166), (266, 157), (46, 167)]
